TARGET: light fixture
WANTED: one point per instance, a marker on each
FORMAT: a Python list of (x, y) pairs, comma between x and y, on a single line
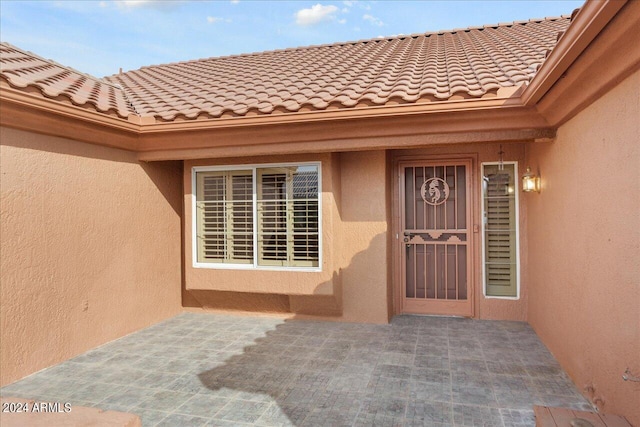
[(530, 181)]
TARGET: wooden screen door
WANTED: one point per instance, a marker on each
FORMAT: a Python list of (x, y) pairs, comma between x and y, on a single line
[(435, 239)]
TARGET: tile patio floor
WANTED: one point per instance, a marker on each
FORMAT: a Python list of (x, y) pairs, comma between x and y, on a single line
[(217, 370)]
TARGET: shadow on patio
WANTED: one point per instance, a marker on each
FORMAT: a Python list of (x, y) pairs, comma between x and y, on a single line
[(205, 369), (416, 371)]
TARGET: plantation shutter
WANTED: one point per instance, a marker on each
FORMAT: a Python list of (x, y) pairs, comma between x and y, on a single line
[(224, 217), (272, 217), (500, 230), (288, 216), (305, 218)]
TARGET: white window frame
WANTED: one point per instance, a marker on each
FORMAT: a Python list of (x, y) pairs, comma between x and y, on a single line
[(517, 219), (254, 266)]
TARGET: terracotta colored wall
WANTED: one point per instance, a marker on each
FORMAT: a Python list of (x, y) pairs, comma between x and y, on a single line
[(486, 308), (90, 248), (352, 285), (364, 258), (584, 247)]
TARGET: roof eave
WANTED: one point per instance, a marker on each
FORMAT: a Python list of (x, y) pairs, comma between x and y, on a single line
[(478, 125), (84, 112), (408, 125), (507, 99), (26, 111), (585, 26)]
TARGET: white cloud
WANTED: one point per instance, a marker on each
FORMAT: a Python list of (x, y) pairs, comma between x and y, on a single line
[(316, 14), (391, 36), (156, 4), (135, 3), (373, 20), (235, 1), (214, 19), (342, 21), (348, 3)]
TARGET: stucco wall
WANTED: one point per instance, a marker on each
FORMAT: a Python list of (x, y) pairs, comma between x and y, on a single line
[(361, 255), (584, 247), (89, 248), (364, 258)]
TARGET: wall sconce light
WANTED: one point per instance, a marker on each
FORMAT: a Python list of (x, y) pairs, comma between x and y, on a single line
[(530, 181)]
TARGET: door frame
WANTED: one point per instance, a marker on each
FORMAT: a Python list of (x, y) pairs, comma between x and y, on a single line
[(397, 246)]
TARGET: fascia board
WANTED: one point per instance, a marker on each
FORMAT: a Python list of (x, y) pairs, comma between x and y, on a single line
[(586, 25), (28, 100)]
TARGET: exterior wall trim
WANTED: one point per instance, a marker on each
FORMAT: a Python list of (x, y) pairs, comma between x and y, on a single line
[(25, 99), (391, 133), (23, 111)]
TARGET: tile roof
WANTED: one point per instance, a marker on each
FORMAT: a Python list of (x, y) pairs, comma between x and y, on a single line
[(25, 70), (433, 67)]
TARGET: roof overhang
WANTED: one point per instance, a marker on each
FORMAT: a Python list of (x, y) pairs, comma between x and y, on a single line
[(398, 126), (585, 26), (611, 55), (28, 111), (516, 114), (353, 134)]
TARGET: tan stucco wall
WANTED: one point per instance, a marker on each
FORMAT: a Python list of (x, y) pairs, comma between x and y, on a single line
[(364, 259), (485, 308), (352, 285), (584, 247), (89, 248)]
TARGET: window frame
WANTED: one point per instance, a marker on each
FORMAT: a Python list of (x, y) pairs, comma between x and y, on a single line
[(516, 179), (254, 170)]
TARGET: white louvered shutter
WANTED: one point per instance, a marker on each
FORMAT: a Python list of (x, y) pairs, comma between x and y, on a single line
[(224, 217), (500, 230)]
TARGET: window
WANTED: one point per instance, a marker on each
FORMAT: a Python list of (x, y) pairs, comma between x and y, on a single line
[(500, 229), (262, 216)]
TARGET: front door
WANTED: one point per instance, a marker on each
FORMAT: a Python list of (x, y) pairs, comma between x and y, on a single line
[(435, 238)]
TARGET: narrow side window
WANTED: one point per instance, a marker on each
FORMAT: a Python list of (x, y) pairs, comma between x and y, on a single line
[(499, 196)]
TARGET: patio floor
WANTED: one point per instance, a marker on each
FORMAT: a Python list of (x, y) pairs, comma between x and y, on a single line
[(219, 370)]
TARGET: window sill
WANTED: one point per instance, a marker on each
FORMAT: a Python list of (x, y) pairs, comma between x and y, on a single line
[(251, 267)]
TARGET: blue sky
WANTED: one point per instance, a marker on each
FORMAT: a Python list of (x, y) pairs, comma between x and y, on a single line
[(99, 37)]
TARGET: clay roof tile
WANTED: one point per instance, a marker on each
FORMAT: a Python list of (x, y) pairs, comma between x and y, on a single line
[(24, 70), (432, 67)]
